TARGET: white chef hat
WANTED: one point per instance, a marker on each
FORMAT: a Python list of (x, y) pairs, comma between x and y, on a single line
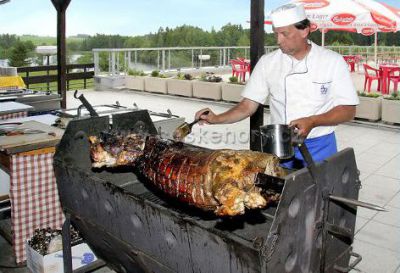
[(288, 14)]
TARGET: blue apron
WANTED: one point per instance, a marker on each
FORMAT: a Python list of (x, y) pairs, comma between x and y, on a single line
[(320, 148)]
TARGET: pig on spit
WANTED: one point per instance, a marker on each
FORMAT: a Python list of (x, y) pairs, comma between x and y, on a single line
[(218, 180)]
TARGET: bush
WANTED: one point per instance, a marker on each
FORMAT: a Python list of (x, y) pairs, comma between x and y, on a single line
[(393, 96), (181, 76), (233, 79), (155, 73), (133, 72), (210, 77), (368, 95)]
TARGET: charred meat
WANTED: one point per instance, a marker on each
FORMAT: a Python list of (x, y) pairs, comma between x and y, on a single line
[(218, 180)]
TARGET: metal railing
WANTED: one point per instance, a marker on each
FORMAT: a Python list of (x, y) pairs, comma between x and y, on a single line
[(120, 60), (117, 61)]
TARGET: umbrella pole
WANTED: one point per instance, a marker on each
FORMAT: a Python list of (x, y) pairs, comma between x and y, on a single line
[(323, 38), (376, 48)]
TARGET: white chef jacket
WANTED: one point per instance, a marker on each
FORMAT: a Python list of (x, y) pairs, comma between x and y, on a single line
[(298, 89)]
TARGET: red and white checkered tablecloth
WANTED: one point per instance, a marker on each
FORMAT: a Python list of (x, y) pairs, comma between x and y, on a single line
[(34, 198), (14, 115)]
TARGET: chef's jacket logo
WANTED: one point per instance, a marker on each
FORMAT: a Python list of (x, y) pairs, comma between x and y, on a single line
[(324, 89)]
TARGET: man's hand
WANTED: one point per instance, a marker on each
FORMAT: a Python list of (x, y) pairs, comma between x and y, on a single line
[(304, 125), (209, 118), (335, 116), (240, 111)]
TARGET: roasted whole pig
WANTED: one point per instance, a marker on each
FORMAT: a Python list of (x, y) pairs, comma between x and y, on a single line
[(218, 180)]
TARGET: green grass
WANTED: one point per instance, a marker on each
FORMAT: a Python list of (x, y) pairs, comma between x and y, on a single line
[(74, 84)]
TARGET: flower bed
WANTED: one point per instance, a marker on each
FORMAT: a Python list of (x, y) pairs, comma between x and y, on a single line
[(369, 107), (208, 87), (232, 91), (181, 85), (391, 108), (157, 83)]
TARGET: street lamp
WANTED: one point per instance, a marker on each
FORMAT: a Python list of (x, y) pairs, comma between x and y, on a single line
[(47, 51)]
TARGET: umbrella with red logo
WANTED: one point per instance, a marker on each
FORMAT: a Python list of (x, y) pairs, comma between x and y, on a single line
[(362, 16)]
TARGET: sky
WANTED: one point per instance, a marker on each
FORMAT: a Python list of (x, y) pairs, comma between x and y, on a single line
[(127, 17)]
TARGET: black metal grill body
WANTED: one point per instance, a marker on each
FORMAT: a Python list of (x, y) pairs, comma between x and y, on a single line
[(136, 228)]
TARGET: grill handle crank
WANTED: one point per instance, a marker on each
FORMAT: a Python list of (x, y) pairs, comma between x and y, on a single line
[(85, 103)]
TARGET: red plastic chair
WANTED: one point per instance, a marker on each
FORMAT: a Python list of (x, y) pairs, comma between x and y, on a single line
[(245, 63), (369, 77), (394, 76), (238, 69), (350, 60), (358, 59)]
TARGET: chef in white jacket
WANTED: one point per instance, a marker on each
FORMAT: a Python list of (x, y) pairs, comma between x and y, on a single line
[(310, 87)]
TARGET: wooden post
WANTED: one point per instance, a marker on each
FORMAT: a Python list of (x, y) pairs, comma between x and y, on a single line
[(61, 7), (256, 51), (27, 76), (67, 79), (84, 79)]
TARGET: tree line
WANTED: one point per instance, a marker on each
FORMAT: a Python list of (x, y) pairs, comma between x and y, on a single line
[(17, 51), (228, 35)]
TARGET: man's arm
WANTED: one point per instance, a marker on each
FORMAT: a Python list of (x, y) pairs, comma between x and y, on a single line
[(240, 111), (336, 115)]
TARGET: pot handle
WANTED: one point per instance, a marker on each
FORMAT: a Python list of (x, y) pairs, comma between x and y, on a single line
[(261, 135), (296, 138), (298, 141)]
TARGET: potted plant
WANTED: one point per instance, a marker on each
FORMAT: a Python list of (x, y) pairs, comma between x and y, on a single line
[(208, 87), (181, 85), (135, 80), (232, 91), (391, 108), (156, 83), (369, 107)]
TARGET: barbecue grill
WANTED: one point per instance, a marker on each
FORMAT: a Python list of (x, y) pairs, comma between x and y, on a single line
[(136, 228)]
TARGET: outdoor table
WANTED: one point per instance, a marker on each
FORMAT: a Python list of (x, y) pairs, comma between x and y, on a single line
[(351, 61), (11, 109), (28, 159), (11, 82), (384, 73)]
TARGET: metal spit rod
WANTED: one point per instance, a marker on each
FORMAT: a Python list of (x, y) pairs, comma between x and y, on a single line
[(311, 167), (356, 203)]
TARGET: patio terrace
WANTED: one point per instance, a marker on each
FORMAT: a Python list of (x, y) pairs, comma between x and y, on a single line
[(377, 152)]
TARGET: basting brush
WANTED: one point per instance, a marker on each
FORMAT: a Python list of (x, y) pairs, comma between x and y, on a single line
[(185, 128)]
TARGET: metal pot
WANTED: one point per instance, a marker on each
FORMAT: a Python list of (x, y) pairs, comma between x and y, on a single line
[(277, 139)]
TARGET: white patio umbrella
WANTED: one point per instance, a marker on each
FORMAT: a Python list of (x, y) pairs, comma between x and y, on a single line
[(386, 17), (363, 16)]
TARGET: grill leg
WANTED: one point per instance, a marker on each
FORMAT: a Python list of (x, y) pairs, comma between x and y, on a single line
[(66, 238)]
